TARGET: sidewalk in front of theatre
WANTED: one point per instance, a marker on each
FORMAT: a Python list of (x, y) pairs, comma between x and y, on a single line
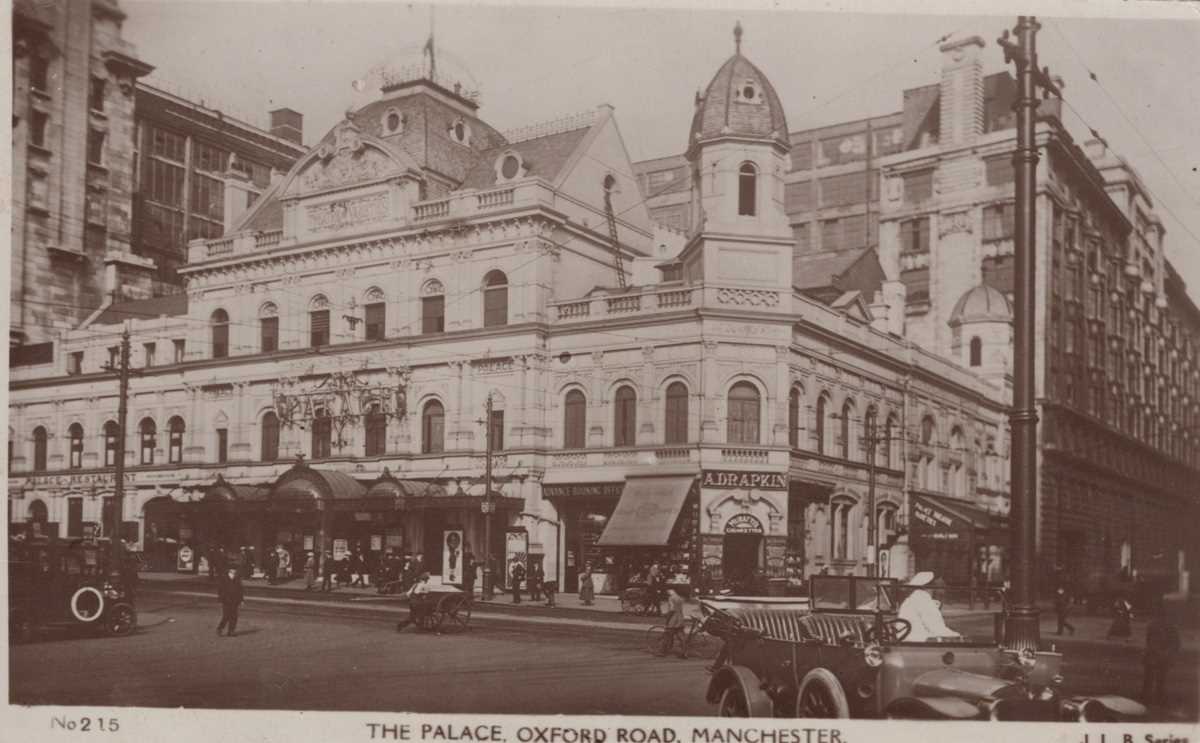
[(606, 610)]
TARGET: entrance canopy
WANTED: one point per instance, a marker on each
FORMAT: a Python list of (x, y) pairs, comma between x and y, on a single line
[(303, 487), (647, 511), (938, 518)]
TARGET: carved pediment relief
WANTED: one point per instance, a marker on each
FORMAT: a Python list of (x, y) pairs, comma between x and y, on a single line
[(346, 158)]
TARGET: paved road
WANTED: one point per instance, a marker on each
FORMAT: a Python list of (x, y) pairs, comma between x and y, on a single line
[(289, 655)]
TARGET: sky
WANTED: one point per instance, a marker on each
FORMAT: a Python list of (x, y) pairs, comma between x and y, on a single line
[(536, 62)]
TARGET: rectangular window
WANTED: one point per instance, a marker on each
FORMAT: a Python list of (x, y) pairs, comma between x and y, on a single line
[(318, 324), (38, 122), (96, 94), (497, 430), (74, 517), (149, 349), (998, 273), (222, 445), (375, 321), (39, 190), (167, 144), (179, 347), (75, 363), (854, 231), (831, 234), (916, 282), (802, 155), (433, 314), (998, 221), (659, 179), (208, 158), (918, 186), (208, 197), (270, 334), (847, 148), (999, 170), (841, 190), (39, 72), (914, 235), (114, 357), (95, 147)]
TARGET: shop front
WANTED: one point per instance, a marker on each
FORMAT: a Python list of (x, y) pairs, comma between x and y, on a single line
[(744, 530), (584, 509), (961, 543), (656, 520)]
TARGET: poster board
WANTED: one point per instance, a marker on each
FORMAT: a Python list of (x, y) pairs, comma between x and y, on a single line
[(516, 549), (452, 554), (341, 549), (185, 559)]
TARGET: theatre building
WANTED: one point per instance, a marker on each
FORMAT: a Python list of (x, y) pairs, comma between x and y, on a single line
[(324, 382)]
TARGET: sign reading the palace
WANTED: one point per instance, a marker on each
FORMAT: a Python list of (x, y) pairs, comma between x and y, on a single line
[(736, 479), (338, 215), (584, 490), (743, 523)]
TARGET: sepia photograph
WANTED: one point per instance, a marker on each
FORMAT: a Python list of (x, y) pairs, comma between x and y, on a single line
[(564, 373)]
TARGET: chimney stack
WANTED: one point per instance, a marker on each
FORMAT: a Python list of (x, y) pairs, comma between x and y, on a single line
[(962, 91), (288, 124)]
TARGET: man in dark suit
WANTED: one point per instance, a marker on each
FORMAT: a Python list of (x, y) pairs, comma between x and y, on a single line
[(229, 591), (468, 576)]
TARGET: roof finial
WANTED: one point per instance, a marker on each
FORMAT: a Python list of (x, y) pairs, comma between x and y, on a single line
[(737, 37)]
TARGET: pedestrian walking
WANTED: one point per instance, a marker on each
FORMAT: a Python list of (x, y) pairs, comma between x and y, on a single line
[(587, 589), (516, 574), (310, 571), (536, 576), (327, 570), (1162, 646), (468, 580), (271, 567), (1122, 614), (356, 569), (229, 591), (675, 625), (1062, 604)]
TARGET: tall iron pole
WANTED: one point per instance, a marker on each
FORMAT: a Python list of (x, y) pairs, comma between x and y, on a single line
[(1021, 628), (872, 518), (488, 591), (118, 550)]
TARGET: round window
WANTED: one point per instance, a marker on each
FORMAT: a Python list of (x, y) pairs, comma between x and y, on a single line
[(510, 167), (393, 121), (748, 92)]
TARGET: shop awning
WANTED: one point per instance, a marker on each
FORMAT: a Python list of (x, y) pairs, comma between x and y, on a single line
[(305, 487), (646, 512), (935, 517)]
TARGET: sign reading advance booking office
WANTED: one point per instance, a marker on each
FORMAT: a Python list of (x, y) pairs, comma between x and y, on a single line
[(740, 480)]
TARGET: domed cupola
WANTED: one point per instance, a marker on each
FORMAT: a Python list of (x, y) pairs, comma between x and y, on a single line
[(739, 103), (981, 331), (982, 303)]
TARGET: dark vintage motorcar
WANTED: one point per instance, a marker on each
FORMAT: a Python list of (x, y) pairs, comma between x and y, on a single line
[(66, 583), (845, 655)]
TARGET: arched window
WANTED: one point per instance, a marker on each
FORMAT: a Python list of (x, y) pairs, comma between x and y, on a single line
[(839, 528), (269, 437), (677, 413), (268, 327), (794, 418), (322, 435), (575, 420), (976, 351), (927, 430), (75, 433), (148, 433), (871, 441), (824, 425), (39, 448), (742, 426), (433, 427), (220, 334), (375, 314), (891, 447), (847, 429), (495, 299), (37, 513), (376, 421), (111, 435), (433, 307), (747, 189), (318, 322), (175, 442), (958, 471), (625, 417)]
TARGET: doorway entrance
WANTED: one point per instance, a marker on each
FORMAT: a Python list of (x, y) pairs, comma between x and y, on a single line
[(741, 557)]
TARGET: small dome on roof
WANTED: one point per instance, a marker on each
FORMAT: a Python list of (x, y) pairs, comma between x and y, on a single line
[(981, 304), (739, 102)]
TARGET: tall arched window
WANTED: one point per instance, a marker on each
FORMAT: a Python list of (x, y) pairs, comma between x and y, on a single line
[(322, 435), (625, 417), (318, 322), (175, 442), (742, 426), (111, 434), (824, 424), (375, 314), (747, 189), (148, 433), (891, 447), (39, 448), (958, 470), (574, 420), (847, 429), (376, 423), (871, 441), (433, 427), (677, 413), (839, 528), (269, 437), (495, 299), (794, 418), (220, 334), (268, 327), (976, 351), (75, 433), (927, 430), (433, 307)]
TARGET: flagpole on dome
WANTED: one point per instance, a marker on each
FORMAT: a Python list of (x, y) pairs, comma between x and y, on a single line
[(429, 48)]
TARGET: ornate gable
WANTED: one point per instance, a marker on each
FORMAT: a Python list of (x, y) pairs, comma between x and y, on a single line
[(347, 158)]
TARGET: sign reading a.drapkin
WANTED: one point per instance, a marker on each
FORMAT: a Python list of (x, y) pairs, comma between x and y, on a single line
[(738, 479)]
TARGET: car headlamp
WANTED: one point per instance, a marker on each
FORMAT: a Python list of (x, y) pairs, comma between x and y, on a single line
[(873, 655)]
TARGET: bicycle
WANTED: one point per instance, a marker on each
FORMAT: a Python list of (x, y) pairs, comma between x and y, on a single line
[(640, 600), (697, 642)]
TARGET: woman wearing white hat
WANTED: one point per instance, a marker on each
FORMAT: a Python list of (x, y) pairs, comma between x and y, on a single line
[(923, 613)]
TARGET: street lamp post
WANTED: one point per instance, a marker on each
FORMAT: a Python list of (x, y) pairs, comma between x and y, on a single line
[(488, 505)]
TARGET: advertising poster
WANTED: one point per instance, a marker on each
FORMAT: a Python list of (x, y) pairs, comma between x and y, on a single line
[(452, 549), (516, 550), (186, 559), (341, 549), (376, 542)]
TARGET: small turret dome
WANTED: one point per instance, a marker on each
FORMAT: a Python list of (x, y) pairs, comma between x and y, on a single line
[(739, 102), (981, 304)]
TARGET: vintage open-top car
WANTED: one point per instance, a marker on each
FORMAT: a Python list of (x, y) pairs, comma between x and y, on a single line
[(845, 655), (67, 584)]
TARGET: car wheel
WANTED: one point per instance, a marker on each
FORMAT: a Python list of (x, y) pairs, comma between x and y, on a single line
[(821, 696), (121, 620), (733, 703)]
